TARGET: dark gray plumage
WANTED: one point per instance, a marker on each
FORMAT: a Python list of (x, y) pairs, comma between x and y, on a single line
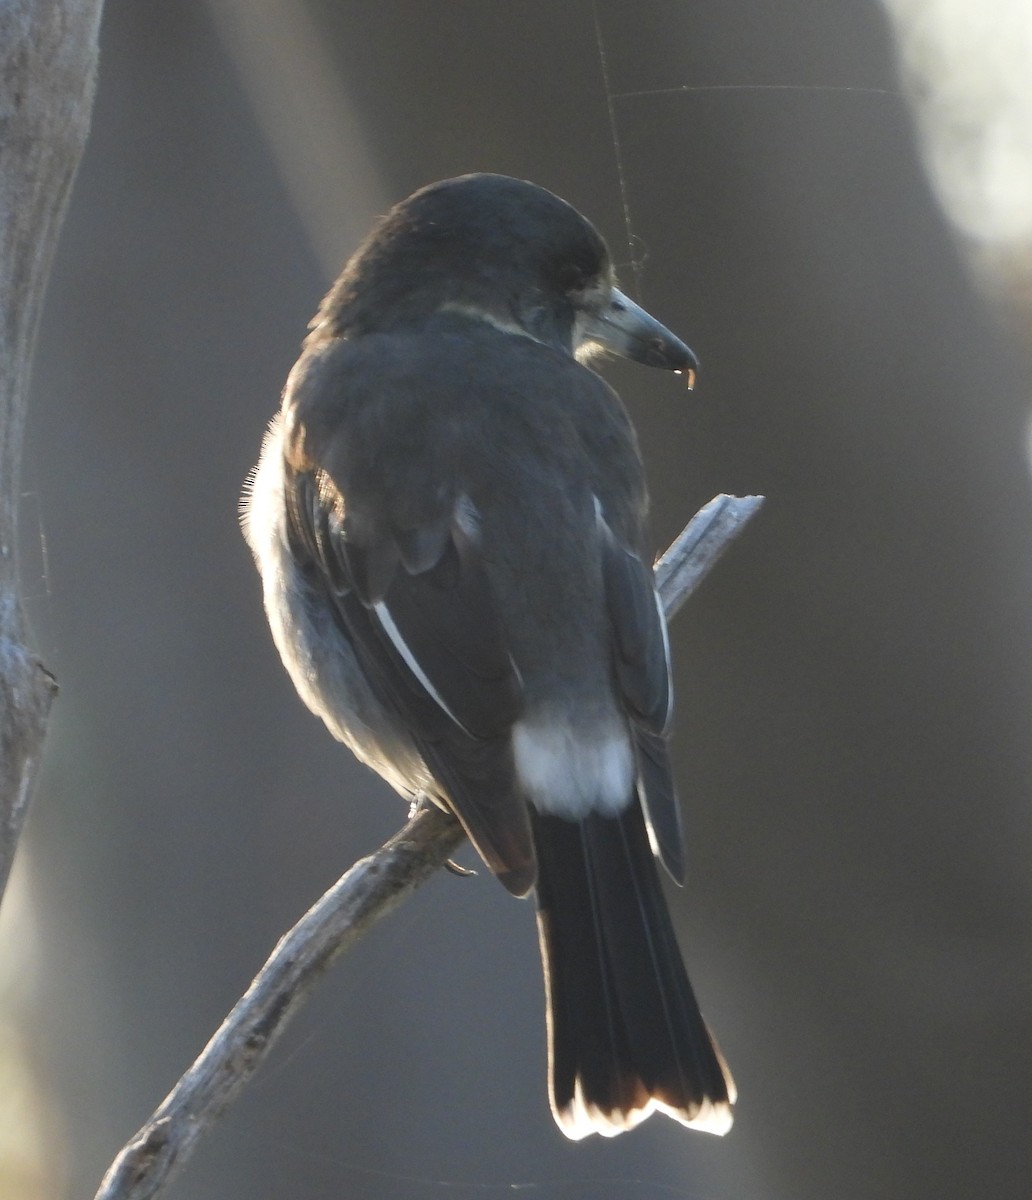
[(449, 518)]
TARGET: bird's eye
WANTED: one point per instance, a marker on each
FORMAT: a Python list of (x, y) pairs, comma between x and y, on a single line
[(572, 278)]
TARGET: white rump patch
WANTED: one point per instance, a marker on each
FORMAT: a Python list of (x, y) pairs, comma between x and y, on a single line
[(571, 773)]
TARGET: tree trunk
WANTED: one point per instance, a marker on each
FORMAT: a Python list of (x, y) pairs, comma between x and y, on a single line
[(48, 64)]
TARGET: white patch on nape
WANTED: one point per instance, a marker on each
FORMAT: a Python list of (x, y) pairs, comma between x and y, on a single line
[(573, 772), (474, 312)]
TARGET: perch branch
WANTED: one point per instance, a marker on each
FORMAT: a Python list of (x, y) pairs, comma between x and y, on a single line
[(371, 889)]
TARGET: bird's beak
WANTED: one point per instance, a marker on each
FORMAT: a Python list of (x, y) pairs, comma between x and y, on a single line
[(627, 329)]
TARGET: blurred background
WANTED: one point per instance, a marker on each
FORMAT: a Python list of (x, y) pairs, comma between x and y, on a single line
[(832, 203)]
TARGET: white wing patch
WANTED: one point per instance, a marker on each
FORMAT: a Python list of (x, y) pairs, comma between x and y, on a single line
[(467, 517), (383, 615), (666, 655)]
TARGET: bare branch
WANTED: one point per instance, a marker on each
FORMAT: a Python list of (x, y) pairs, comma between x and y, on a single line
[(48, 62), (695, 551), (370, 890)]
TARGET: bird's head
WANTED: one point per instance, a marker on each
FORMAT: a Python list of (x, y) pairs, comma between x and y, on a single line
[(500, 250)]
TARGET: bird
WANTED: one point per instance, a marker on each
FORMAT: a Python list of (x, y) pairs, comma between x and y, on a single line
[(449, 517)]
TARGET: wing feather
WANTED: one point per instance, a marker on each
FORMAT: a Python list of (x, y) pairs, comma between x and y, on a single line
[(641, 660), (419, 611)]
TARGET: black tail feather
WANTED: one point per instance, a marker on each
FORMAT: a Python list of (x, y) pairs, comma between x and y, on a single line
[(625, 1033)]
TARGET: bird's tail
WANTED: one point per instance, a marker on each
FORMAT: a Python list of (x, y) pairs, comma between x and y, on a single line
[(625, 1035)]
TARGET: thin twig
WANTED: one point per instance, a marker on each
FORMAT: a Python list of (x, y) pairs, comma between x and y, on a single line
[(371, 889)]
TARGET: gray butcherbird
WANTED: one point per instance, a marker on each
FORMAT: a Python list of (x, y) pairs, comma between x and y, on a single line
[(449, 520)]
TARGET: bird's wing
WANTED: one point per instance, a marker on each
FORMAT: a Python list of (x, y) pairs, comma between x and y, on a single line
[(641, 657), (418, 608)]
